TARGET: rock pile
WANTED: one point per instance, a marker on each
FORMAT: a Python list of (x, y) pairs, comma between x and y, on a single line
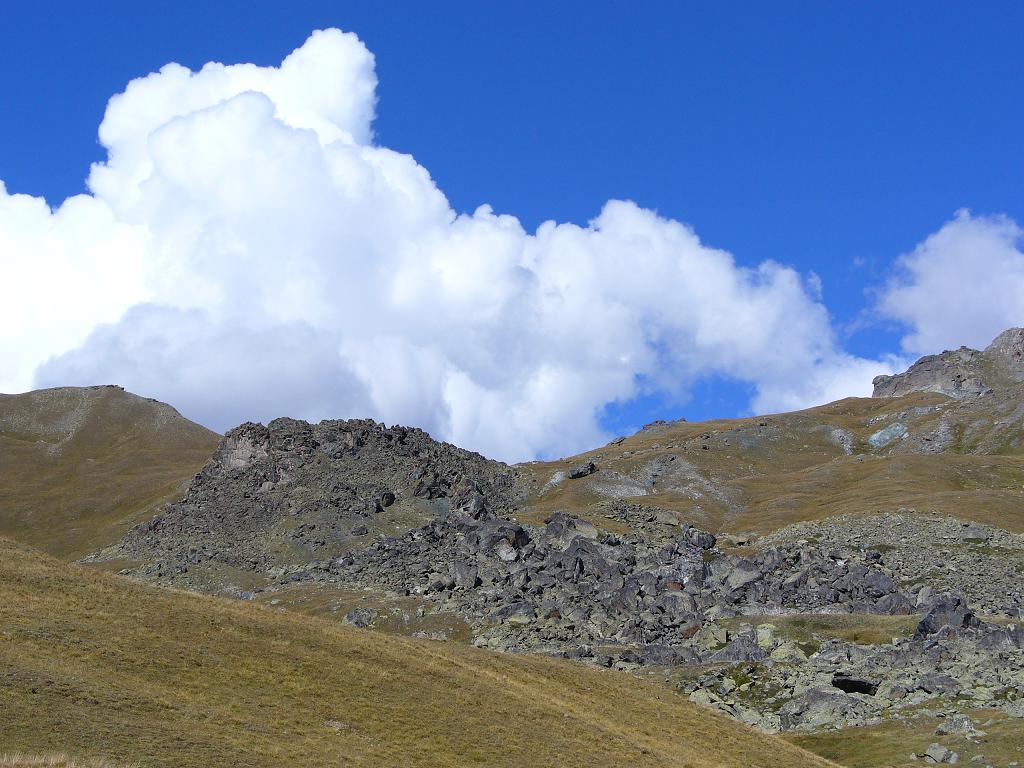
[(928, 554), (568, 588), (953, 660), (277, 497), (392, 514)]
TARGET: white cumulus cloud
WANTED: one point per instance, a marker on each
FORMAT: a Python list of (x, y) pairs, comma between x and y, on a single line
[(962, 285), (247, 251)]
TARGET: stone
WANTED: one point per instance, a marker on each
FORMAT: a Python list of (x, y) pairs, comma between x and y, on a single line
[(956, 723), (743, 573), (939, 684), (505, 551), (465, 575), (705, 698), (560, 529), (766, 638), (788, 652), (819, 707), (947, 611), (582, 470), (937, 753), (740, 649), (710, 637), (360, 617), (699, 538), (660, 655)]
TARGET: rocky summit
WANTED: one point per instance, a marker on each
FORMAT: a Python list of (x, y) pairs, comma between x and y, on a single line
[(835, 569), (963, 372), (290, 492)]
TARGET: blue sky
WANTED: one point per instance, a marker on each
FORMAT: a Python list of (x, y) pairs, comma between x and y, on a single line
[(830, 137)]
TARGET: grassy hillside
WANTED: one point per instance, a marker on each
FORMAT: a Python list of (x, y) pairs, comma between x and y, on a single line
[(78, 465), (97, 666), (959, 458), (892, 744), (55, 760)]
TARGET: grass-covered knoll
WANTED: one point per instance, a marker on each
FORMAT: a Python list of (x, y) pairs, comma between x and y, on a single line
[(959, 458), (891, 744), (78, 465), (99, 666)]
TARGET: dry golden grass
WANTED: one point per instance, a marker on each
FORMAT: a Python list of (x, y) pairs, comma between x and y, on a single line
[(96, 665), (986, 489), (53, 761), (890, 744), (395, 615), (808, 629), (79, 466), (785, 468)]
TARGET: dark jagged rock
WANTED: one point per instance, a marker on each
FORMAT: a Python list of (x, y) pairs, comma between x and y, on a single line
[(582, 470), (947, 611)]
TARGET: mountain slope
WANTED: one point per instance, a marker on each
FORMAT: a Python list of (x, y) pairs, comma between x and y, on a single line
[(96, 665), (953, 456), (946, 436), (78, 465)]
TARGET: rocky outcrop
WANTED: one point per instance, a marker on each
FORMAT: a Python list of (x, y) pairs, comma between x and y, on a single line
[(1006, 353), (963, 372), (389, 512), (285, 495)]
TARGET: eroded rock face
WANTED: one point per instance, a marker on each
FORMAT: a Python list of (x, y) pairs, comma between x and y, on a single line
[(956, 373), (1006, 353), (963, 372)]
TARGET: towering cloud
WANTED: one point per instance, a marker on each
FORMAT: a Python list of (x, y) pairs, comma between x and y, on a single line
[(247, 251), (962, 285)]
